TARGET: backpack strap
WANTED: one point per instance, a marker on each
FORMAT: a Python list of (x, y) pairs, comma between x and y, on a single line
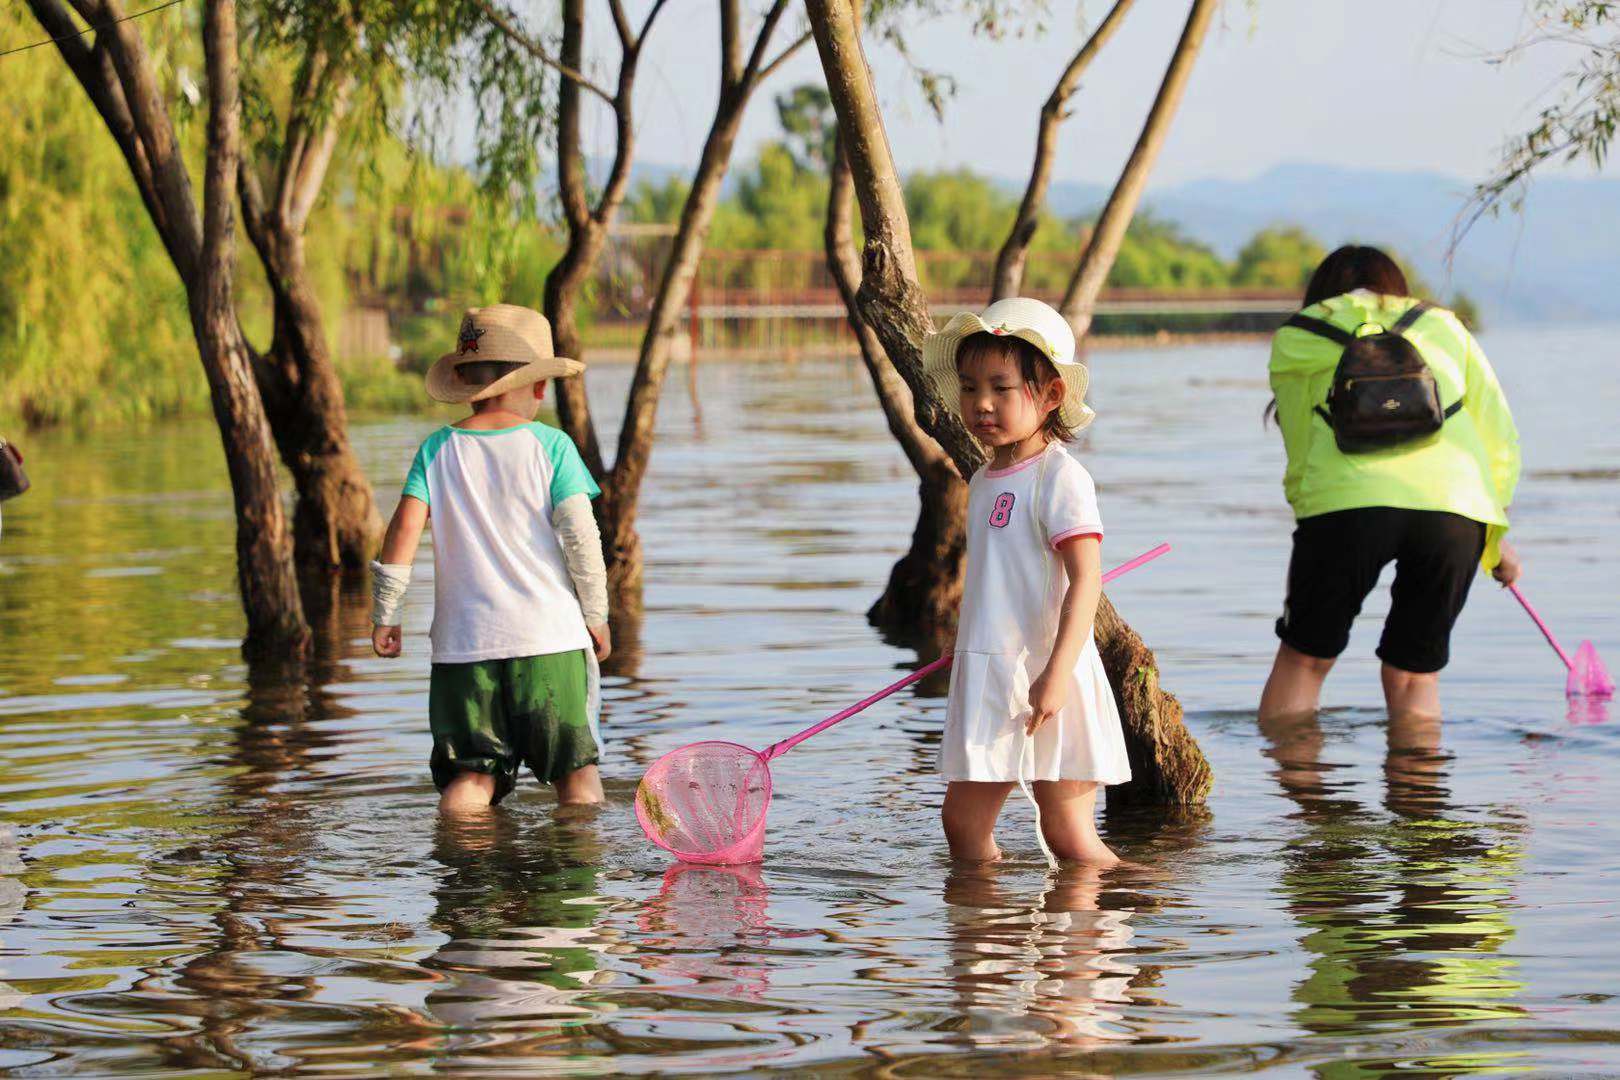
[(1416, 312), (1321, 328)]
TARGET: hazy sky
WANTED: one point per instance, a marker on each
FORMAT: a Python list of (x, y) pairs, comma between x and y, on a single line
[(1389, 84)]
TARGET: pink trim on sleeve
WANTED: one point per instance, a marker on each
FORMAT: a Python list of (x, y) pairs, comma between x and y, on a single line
[(1070, 534)]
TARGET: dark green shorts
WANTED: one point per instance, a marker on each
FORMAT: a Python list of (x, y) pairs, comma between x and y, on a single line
[(491, 716)]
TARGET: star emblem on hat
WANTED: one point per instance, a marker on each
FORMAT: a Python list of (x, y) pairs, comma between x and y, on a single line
[(467, 340)]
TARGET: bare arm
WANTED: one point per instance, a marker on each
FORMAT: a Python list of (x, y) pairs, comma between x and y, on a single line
[(1082, 561), (404, 533), (398, 552)]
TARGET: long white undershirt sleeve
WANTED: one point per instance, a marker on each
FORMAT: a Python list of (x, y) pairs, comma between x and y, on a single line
[(582, 552)]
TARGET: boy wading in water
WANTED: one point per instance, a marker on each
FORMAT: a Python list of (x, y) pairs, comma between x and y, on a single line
[(519, 586)]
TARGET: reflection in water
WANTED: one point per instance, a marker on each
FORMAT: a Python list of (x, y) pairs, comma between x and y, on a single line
[(709, 925), (1062, 960), (523, 952), (1405, 911)]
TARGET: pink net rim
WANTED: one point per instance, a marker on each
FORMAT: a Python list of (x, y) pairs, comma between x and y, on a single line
[(750, 848)]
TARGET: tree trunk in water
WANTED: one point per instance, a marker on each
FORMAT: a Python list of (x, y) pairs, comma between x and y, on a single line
[(1080, 299), (276, 626), (336, 526), (1168, 766), (925, 587), (621, 495), (1009, 273)]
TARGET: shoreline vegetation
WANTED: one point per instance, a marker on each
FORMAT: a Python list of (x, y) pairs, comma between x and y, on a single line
[(96, 325)]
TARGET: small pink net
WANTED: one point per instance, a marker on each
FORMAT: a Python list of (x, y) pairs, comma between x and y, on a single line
[(705, 803), (1587, 675)]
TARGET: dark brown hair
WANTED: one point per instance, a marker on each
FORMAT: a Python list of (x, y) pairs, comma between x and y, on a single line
[(1346, 269), (1036, 369), (1352, 267), (482, 373)]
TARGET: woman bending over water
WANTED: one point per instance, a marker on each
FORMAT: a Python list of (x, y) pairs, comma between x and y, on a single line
[(1436, 506)]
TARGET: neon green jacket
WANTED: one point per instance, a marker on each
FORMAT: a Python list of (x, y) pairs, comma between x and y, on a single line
[(1471, 469)]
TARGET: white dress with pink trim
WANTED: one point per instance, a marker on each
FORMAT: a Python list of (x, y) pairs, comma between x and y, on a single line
[(1011, 600)]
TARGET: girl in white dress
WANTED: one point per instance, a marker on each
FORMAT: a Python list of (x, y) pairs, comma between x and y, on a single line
[(1029, 700)]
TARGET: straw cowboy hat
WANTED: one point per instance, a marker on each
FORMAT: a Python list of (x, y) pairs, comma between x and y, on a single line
[(503, 333), (1028, 320)]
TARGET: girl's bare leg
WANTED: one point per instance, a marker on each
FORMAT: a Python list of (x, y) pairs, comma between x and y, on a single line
[(1069, 821), (582, 787), (467, 793), (969, 817), (1295, 685)]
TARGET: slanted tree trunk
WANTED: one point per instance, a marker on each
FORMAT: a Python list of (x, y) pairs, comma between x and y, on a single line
[(117, 74), (1080, 299), (1009, 273), (924, 591), (1168, 766), (622, 493), (336, 525)]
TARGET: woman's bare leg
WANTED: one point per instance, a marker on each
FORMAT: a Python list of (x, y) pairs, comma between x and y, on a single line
[(1069, 821), (1409, 694), (969, 817), (1295, 685)]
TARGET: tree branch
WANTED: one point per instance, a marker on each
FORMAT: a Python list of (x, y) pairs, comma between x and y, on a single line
[(1010, 260), (756, 68), (1080, 299), (503, 22), (770, 69)]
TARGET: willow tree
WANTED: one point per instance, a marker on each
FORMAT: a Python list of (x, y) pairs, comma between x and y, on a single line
[(746, 61), (111, 62), (1167, 765), (293, 134)]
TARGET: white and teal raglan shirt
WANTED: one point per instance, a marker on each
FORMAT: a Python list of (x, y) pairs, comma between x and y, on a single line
[(501, 588)]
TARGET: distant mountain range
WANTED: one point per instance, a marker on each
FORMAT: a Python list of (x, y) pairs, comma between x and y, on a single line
[(1559, 259)]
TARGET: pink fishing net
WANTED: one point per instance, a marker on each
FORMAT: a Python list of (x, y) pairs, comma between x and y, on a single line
[(706, 803), (1587, 675)]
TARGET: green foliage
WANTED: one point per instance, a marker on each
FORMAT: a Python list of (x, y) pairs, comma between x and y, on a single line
[(1277, 258), (1156, 255), (1580, 124), (93, 319)]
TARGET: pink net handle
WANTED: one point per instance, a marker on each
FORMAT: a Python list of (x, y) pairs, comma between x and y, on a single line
[(776, 750), (1546, 631)]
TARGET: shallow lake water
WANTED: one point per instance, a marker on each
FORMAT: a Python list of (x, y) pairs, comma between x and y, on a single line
[(202, 871)]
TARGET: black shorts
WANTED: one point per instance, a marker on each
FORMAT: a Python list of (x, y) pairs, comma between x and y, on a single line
[(1336, 562)]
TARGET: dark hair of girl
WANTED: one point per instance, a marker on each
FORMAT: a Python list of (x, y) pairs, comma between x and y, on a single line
[(1351, 267), (1036, 369)]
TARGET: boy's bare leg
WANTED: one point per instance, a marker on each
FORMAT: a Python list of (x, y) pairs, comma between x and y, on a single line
[(1069, 821), (969, 817), (1295, 685), (467, 793), (582, 787)]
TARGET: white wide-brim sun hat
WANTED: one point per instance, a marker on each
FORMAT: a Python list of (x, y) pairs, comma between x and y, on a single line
[(1028, 320), (504, 333)]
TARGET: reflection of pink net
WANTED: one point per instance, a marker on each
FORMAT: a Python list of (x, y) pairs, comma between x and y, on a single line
[(1587, 675), (705, 803)]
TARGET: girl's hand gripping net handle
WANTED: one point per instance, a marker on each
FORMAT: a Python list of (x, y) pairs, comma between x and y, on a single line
[(776, 750)]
